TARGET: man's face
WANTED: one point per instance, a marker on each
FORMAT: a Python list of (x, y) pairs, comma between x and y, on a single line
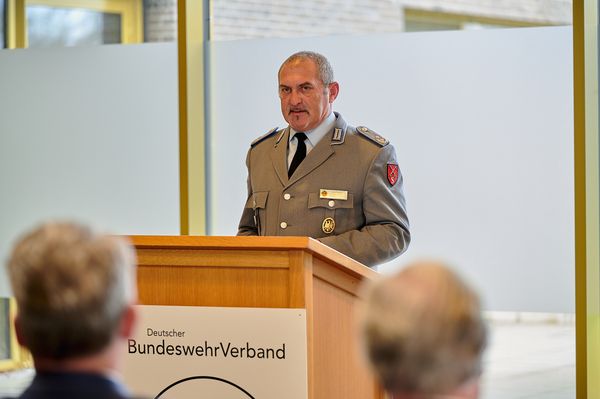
[(305, 101)]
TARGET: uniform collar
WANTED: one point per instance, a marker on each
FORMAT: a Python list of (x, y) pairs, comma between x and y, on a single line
[(317, 134)]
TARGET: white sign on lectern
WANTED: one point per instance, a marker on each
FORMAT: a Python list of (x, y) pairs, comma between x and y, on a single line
[(219, 353)]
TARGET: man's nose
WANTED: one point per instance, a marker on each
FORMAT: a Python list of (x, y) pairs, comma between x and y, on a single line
[(295, 97)]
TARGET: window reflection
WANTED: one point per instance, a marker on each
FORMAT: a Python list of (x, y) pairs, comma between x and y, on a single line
[(51, 26)]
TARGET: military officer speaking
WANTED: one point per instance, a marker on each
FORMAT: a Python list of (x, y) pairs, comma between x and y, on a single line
[(321, 177)]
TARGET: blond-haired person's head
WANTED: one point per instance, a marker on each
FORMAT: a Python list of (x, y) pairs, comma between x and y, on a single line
[(423, 333), (75, 290)]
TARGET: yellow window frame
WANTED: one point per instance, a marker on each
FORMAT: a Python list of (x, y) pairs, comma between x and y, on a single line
[(132, 25)]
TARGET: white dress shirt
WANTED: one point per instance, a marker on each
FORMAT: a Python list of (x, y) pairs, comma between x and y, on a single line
[(312, 137)]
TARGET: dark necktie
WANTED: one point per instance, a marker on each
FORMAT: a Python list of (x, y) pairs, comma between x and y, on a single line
[(300, 153)]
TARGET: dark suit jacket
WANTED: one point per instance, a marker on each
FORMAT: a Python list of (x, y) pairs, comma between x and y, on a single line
[(72, 386)]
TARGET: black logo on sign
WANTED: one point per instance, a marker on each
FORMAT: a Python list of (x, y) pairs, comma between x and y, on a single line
[(204, 377)]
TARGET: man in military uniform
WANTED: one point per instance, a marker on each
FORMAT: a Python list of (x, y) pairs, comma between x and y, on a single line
[(321, 177)]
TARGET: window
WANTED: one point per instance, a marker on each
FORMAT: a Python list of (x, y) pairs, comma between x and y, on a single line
[(53, 26), (5, 329), (48, 23), (436, 19), (12, 356), (2, 24), (416, 25)]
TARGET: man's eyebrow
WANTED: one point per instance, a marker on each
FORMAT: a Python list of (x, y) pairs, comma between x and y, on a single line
[(299, 84)]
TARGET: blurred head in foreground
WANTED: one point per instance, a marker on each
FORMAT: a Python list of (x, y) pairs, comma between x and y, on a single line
[(75, 290), (423, 333)]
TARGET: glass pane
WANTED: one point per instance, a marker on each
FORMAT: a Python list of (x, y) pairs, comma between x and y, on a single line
[(408, 67), (2, 23), (4, 329), (50, 26)]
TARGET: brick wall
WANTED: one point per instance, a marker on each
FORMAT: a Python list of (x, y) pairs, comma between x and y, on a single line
[(233, 19), (242, 19), (160, 20)]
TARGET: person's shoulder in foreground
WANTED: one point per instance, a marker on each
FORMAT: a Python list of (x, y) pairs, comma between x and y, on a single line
[(71, 384), (423, 333), (75, 290)]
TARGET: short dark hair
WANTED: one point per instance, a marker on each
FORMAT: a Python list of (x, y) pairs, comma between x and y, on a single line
[(323, 65)]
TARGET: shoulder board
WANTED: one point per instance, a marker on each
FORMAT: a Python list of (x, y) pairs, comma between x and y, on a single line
[(371, 135), (263, 137)]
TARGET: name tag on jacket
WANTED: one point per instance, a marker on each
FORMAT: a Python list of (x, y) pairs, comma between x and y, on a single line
[(333, 194)]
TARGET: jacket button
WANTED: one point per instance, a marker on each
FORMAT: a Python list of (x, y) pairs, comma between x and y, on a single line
[(286, 196), (283, 225), (331, 203)]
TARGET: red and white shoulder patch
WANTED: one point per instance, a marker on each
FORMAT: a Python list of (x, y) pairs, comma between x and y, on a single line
[(392, 173)]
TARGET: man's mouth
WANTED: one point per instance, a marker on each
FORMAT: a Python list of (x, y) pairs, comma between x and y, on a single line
[(297, 111)]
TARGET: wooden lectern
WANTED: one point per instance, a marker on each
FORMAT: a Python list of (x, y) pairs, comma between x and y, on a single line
[(272, 272)]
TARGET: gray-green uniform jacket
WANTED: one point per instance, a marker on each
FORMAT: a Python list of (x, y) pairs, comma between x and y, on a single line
[(347, 193)]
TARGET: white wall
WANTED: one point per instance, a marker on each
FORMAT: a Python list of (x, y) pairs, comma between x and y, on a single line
[(89, 133), (483, 125)]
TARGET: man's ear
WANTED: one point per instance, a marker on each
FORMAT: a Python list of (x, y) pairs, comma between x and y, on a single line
[(19, 332), (334, 90), (128, 321)]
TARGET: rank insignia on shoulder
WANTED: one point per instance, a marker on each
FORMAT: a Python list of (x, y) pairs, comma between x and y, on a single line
[(263, 137), (338, 136), (371, 135)]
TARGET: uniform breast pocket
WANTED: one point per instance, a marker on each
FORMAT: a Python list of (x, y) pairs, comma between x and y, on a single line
[(334, 215), (258, 203)]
